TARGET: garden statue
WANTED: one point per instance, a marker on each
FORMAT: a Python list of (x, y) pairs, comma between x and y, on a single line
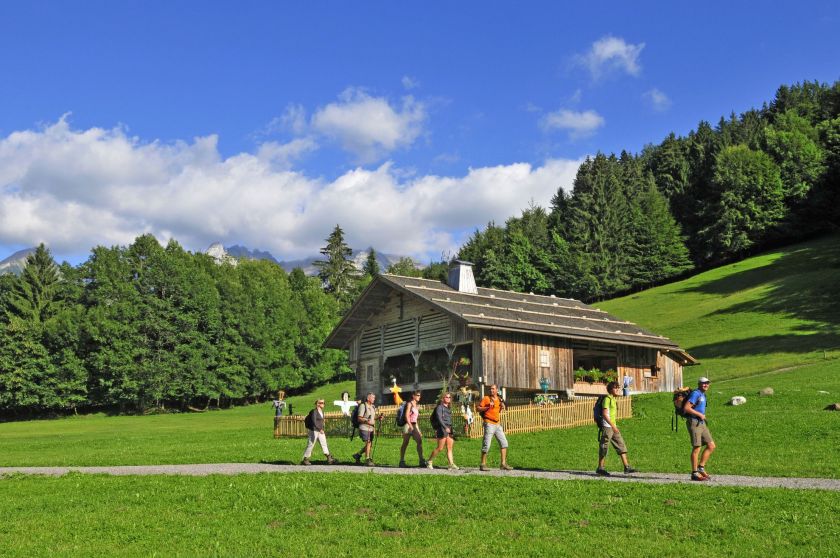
[(345, 403), (465, 399), (395, 389), (279, 403)]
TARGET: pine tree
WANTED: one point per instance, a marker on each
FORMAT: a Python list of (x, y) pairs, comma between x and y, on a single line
[(337, 272), (371, 267), (34, 292)]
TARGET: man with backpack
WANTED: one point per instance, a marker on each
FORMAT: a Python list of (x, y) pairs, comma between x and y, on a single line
[(366, 421), (695, 413), (606, 413), (490, 408), (314, 422)]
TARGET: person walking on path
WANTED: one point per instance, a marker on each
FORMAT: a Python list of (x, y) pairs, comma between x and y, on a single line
[(490, 408), (609, 432), (314, 422), (367, 426), (698, 430), (412, 429), (442, 423)]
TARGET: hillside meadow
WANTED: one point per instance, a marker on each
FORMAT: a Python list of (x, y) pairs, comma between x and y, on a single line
[(772, 311)]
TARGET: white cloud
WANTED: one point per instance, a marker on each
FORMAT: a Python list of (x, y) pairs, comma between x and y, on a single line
[(657, 99), (612, 54), (370, 127), (74, 189), (578, 124), (409, 82)]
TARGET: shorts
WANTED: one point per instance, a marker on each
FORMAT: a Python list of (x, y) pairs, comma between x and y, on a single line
[(441, 433), (366, 435), (407, 429), (699, 433), (610, 436), (493, 430)]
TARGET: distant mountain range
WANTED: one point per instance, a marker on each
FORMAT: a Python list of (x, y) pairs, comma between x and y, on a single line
[(236, 252), (16, 262)]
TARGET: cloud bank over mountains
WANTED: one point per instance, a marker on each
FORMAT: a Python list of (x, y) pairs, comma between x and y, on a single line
[(74, 189)]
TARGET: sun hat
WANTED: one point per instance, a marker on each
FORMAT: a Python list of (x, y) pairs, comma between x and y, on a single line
[(703, 380)]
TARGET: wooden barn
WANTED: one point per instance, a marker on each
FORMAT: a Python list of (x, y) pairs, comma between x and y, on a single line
[(414, 331)]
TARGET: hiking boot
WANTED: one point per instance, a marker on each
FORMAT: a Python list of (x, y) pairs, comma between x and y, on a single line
[(505, 467), (483, 468), (629, 469), (453, 467), (402, 464), (331, 460), (358, 458), (369, 462), (429, 465), (698, 476), (423, 463), (602, 472), (306, 461)]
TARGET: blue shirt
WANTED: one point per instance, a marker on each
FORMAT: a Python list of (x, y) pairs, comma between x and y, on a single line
[(698, 401)]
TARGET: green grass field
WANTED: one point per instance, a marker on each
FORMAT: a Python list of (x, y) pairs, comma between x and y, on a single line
[(772, 311), (770, 321), (788, 434), (375, 515)]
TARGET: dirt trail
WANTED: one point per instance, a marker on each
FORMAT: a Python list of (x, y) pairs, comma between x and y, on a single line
[(253, 468)]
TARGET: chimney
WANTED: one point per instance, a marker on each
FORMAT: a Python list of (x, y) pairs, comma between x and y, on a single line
[(461, 277)]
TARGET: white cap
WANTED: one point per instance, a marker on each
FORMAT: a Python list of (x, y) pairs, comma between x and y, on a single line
[(704, 380)]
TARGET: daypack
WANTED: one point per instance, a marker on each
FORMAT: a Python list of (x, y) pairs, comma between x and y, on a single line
[(598, 411), (680, 400), (401, 412), (355, 416), (309, 421), (434, 418)]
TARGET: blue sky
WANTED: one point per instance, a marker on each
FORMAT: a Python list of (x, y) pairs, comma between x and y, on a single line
[(265, 124)]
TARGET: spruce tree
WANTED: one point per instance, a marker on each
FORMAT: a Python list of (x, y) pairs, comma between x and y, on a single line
[(337, 272)]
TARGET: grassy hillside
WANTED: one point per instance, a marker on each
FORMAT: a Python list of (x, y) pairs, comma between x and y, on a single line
[(772, 311)]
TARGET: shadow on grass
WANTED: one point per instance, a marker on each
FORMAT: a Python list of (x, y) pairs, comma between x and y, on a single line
[(803, 283), (768, 344)]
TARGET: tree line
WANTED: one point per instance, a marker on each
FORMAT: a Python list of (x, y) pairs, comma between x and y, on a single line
[(765, 177), (147, 326)]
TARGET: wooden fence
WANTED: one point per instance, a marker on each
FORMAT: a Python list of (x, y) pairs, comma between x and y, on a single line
[(520, 418)]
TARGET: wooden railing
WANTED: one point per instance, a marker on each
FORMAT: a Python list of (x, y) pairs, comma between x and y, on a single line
[(520, 418)]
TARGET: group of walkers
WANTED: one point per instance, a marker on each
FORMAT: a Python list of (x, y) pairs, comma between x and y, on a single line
[(490, 408)]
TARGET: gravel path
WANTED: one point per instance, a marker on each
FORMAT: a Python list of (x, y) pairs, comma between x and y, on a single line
[(252, 468)]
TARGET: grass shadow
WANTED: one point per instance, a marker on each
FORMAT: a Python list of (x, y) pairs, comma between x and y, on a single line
[(768, 344), (803, 283)]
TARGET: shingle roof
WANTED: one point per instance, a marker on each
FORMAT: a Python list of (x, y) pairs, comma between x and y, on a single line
[(508, 310)]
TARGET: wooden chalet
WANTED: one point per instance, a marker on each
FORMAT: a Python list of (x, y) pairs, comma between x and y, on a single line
[(411, 330)]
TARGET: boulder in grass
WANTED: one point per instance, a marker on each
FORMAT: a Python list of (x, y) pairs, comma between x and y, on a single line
[(766, 391), (737, 400), (833, 407)]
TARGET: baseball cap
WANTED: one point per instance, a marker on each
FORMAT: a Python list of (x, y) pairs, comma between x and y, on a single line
[(703, 380)]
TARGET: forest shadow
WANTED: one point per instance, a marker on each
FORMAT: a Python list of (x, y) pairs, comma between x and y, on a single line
[(767, 344), (803, 283)]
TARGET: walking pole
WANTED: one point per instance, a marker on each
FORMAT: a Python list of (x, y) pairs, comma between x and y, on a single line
[(376, 432)]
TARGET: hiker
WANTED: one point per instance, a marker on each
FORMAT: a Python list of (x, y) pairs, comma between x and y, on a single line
[(442, 423), (490, 408), (412, 429), (608, 432), (367, 426), (314, 422), (698, 430)]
